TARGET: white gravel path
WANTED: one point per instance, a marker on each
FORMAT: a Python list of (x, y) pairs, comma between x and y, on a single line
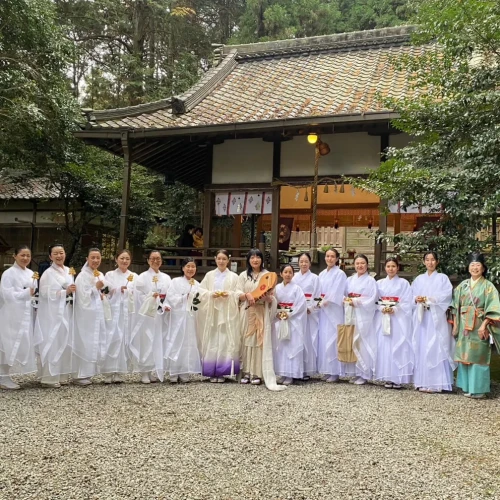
[(225, 441)]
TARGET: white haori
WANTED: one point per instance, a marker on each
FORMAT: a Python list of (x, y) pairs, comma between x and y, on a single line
[(181, 353), (309, 283), (151, 322), (395, 357), (433, 343), (331, 314), (92, 311), (116, 359), (247, 285), (54, 323), (17, 350), (363, 313), (219, 324), (288, 334)]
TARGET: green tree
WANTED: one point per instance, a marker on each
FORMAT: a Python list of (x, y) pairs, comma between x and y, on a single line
[(453, 165), (265, 20)]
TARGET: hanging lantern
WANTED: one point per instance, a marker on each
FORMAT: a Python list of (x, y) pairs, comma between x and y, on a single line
[(325, 190), (306, 198), (342, 188), (370, 224), (335, 186), (312, 138), (336, 225)]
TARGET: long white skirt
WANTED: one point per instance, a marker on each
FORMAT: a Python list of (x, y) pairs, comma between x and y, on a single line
[(439, 377)]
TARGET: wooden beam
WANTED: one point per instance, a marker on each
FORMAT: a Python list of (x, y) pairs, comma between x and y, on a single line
[(127, 170), (381, 248), (275, 217)]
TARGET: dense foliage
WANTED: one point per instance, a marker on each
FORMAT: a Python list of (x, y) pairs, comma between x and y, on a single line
[(453, 166)]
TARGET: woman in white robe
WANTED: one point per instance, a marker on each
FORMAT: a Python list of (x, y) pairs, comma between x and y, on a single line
[(181, 355), (256, 319), (309, 283), (359, 309), (54, 323), (395, 358), (92, 312), (121, 283), (433, 342), (219, 321), (151, 321), (332, 282), (289, 328), (17, 288)]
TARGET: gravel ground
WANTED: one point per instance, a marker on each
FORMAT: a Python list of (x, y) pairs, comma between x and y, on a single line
[(214, 441)]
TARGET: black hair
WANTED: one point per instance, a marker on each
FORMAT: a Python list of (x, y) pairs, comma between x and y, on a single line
[(54, 245), (154, 251), (307, 255), (123, 251), (361, 256), (337, 255), (93, 249), (392, 259), (188, 227), (251, 253), (224, 252), (284, 266), (185, 261), (433, 253), (198, 229), (20, 248)]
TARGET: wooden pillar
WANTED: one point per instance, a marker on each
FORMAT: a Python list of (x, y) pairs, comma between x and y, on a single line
[(275, 217), (381, 248), (208, 204), (236, 240), (127, 170)]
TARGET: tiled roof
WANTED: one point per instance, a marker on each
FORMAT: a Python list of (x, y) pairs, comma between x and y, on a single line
[(27, 190), (332, 75)]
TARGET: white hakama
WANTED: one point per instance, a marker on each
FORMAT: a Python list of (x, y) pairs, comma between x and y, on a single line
[(364, 289), (151, 322), (395, 358), (54, 324), (288, 334), (433, 343), (92, 312), (331, 314), (219, 325), (309, 283), (181, 355), (116, 356), (17, 351)]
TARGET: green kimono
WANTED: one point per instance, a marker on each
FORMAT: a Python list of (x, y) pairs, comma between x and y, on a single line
[(471, 306)]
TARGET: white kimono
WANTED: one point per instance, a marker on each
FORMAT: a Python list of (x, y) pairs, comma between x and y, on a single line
[(116, 359), (92, 312), (219, 325), (309, 283), (151, 322), (288, 334), (54, 323), (181, 355), (17, 351), (433, 342), (331, 314), (363, 315), (395, 358)]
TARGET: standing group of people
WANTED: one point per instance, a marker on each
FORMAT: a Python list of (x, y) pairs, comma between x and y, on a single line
[(71, 329)]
